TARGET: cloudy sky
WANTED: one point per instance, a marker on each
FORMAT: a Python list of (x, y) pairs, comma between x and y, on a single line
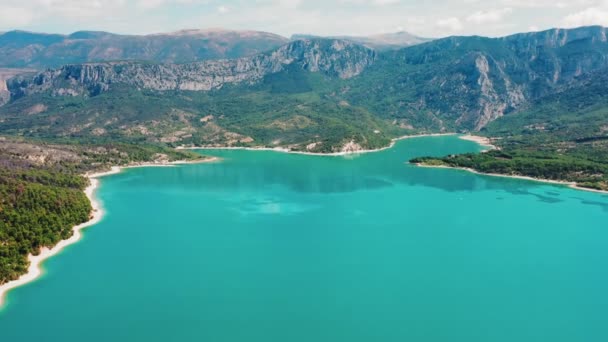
[(324, 17)]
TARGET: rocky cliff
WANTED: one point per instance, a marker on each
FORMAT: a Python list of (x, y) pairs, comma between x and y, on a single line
[(451, 84), (333, 58), (464, 83), (5, 75)]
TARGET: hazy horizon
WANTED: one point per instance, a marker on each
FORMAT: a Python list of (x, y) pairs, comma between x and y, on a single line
[(227, 29), (288, 17)]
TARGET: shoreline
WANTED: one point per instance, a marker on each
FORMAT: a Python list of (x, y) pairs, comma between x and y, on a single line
[(482, 141), (35, 269), (330, 154), (572, 185)]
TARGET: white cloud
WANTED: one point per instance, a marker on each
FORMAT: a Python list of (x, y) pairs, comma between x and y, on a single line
[(370, 2), (11, 17), (385, 2), (545, 3), (590, 16), (323, 17), (415, 21), (153, 4), (490, 16), (75, 8), (452, 24), (149, 4)]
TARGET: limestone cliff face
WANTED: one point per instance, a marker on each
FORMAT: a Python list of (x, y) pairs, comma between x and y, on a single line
[(331, 57), (3, 91), (543, 63), (450, 84), (472, 81), (5, 75)]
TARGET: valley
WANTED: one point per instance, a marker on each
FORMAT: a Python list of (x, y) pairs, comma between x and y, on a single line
[(73, 104)]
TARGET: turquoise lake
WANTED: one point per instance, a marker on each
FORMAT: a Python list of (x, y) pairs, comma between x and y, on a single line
[(267, 246)]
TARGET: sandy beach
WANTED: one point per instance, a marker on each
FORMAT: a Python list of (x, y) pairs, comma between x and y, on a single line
[(35, 269), (483, 141), (332, 154)]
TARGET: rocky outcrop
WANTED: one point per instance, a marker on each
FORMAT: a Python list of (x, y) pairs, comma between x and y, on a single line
[(450, 84), (5, 75), (464, 83), (4, 93), (334, 58)]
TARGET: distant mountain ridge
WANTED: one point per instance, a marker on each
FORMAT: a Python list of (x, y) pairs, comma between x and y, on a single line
[(20, 49), (385, 41)]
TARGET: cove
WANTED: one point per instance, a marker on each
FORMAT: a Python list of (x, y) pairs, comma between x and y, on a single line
[(268, 246)]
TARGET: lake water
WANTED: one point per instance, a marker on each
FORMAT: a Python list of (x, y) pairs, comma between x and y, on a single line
[(267, 246)]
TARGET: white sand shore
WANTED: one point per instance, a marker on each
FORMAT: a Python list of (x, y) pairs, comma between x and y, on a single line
[(572, 185), (333, 154), (483, 141), (35, 269)]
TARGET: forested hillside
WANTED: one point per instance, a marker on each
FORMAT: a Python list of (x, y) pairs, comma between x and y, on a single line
[(563, 136), (41, 192), (309, 91), (465, 83), (282, 98)]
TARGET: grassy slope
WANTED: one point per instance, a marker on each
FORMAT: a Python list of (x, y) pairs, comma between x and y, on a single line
[(293, 108)]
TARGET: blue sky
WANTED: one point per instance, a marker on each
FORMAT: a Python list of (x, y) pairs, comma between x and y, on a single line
[(286, 17)]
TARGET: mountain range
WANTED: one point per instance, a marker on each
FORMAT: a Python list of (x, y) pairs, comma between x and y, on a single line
[(38, 50), (21, 49), (385, 41), (538, 91), (450, 84)]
